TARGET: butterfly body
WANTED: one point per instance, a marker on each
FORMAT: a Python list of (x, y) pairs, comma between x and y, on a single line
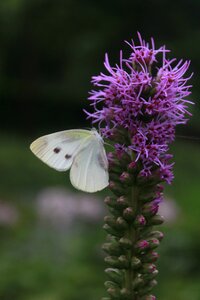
[(79, 150)]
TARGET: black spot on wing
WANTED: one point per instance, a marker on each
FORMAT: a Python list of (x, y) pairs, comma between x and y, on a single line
[(67, 156), (56, 150)]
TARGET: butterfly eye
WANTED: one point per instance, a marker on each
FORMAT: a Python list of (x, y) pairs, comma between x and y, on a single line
[(56, 150)]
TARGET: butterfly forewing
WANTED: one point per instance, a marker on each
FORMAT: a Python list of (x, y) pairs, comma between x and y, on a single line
[(58, 149)]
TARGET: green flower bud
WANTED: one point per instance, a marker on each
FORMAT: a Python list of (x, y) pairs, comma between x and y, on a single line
[(126, 294), (112, 261), (150, 257), (111, 221), (150, 276), (115, 274), (112, 248), (122, 202), (148, 268), (110, 284), (157, 234), (128, 214), (116, 188), (125, 243), (153, 283), (156, 220), (153, 242), (120, 262), (110, 201), (110, 230), (114, 293), (137, 282), (135, 263), (124, 261), (121, 223)]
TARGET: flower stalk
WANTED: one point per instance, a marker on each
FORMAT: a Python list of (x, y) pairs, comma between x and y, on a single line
[(137, 107)]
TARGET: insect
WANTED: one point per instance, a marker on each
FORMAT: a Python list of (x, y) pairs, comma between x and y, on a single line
[(81, 151)]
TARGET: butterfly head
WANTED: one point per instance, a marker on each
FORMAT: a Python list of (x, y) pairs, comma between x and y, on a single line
[(96, 134)]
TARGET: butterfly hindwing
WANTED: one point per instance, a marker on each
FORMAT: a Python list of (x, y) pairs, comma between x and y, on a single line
[(89, 169)]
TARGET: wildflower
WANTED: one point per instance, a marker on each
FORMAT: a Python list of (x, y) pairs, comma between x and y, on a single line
[(137, 105)]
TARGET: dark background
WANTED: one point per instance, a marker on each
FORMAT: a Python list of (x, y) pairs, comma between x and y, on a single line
[(48, 52)]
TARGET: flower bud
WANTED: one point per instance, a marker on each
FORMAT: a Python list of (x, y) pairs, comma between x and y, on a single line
[(110, 220), (156, 220), (115, 275), (150, 276), (112, 261), (114, 211), (112, 231), (148, 288), (128, 214), (147, 197), (157, 234), (153, 283), (125, 243), (153, 243), (150, 257), (150, 209), (137, 282), (114, 176), (124, 261), (148, 268), (122, 202), (110, 284), (140, 221), (132, 166), (112, 248), (121, 223), (120, 262), (110, 201), (125, 177), (114, 292), (126, 294), (135, 263), (141, 245), (116, 188)]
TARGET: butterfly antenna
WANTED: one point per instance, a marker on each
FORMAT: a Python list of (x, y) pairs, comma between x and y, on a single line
[(109, 145), (194, 138)]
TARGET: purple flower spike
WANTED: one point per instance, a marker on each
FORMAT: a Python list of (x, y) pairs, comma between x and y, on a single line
[(147, 95), (137, 105)]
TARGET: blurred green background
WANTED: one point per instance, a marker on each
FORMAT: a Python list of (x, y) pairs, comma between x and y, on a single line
[(51, 235)]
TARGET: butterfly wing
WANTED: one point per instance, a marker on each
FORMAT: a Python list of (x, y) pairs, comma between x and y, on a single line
[(89, 170), (58, 149)]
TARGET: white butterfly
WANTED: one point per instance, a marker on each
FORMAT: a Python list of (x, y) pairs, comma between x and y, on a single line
[(78, 149)]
